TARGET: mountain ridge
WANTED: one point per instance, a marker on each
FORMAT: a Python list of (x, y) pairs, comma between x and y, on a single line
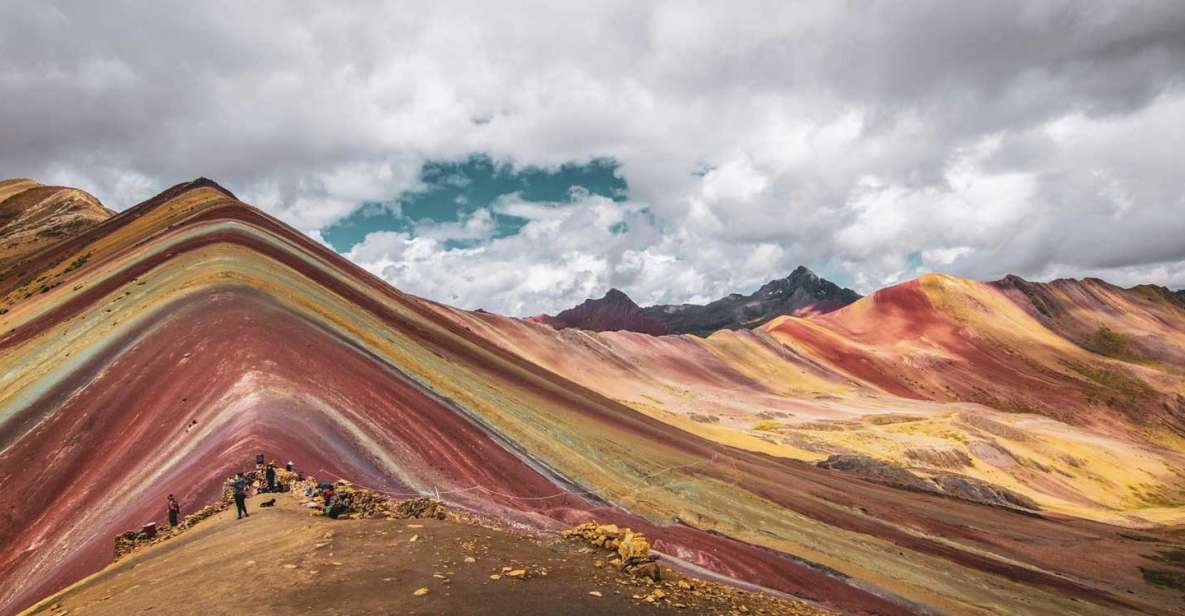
[(801, 293)]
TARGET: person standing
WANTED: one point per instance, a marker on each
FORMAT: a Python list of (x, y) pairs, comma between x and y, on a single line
[(174, 511), (239, 486), (270, 474)]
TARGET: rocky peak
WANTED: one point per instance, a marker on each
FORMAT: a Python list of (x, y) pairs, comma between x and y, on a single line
[(615, 297), (615, 311), (801, 292)]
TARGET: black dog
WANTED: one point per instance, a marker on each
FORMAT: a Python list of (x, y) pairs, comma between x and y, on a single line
[(270, 503)]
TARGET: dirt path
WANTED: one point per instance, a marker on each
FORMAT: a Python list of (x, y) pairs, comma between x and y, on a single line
[(284, 561)]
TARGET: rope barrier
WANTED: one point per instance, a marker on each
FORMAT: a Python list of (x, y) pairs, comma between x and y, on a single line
[(559, 494)]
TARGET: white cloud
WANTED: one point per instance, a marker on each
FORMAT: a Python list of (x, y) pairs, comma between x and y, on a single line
[(995, 138)]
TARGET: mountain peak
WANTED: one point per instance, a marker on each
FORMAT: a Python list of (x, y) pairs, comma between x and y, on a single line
[(617, 296), (613, 312), (800, 293), (802, 271)]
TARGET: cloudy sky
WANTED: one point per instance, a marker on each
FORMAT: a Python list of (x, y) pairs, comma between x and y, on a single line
[(523, 157)]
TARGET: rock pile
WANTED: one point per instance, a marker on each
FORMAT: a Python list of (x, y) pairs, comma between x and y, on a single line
[(632, 551), (362, 503), (128, 541), (421, 508)]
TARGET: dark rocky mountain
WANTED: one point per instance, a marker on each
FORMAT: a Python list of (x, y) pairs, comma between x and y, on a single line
[(800, 293), (616, 311)]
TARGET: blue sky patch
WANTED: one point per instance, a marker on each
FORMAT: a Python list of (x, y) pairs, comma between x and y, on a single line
[(454, 190)]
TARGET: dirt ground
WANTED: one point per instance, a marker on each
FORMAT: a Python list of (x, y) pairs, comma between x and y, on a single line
[(284, 560)]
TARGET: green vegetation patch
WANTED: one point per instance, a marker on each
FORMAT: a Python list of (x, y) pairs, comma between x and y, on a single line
[(1173, 580), (1173, 557), (79, 262), (1110, 343), (1126, 385)]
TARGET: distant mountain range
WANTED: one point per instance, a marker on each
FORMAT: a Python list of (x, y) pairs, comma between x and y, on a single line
[(800, 293)]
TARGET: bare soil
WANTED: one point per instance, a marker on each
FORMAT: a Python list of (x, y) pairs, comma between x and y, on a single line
[(285, 560)]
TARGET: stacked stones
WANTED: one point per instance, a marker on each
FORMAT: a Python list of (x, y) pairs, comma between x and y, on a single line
[(631, 548)]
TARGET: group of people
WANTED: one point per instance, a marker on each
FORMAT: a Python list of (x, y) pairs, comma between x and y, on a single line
[(239, 484), (334, 503)]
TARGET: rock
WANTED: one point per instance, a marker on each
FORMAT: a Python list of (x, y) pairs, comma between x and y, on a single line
[(595, 593), (517, 573), (413, 539), (496, 576), (647, 570), (420, 592), (975, 490), (876, 470), (289, 566), (633, 545), (470, 559), (625, 542)]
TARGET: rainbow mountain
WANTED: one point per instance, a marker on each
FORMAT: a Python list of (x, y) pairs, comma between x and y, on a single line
[(942, 445)]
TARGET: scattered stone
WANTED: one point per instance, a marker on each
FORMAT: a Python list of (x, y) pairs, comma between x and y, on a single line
[(495, 577), (470, 559), (595, 593), (289, 566), (420, 592), (517, 573)]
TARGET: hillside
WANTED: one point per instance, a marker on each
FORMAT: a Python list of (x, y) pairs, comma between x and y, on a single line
[(940, 376), (154, 353), (33, 217), (1140, 325)]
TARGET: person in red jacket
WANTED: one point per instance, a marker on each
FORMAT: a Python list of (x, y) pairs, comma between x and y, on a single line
[(174, 510)]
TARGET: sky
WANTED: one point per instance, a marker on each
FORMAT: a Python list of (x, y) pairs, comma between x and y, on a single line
[(521, 157)]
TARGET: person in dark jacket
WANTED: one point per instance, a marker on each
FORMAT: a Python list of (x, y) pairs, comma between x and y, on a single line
[(239, 486), (174, 510), (270, 475)]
